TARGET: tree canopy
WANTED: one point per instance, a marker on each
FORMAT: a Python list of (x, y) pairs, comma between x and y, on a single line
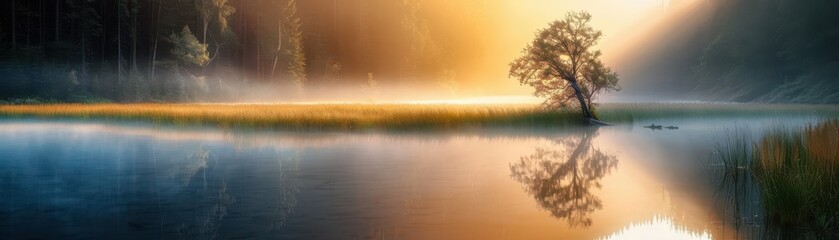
[(561, 64), (187, 49)]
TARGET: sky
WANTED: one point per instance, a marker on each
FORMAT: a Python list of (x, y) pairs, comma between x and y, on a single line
[(613, 17), (619, 20), (478, 38)]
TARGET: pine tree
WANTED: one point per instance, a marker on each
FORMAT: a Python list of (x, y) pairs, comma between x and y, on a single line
[(188, 50), (295, 52)]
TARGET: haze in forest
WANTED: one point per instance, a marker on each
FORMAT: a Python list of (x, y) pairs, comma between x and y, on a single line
[(244, 50), (139, 50)]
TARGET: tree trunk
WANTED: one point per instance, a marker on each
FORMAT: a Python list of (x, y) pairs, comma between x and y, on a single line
[(586, 111), (279, 45), (206, 25), (244, 49), (83, 76), (119, 44), (135, 80), (41, 27), (582, 147), (134, 9), (102, 44), (28, 17), (156, 40), (258, 46), (14, 26), (57, 18)]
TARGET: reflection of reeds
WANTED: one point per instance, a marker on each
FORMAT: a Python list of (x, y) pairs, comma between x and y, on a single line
[(737, 197), (735, 152)]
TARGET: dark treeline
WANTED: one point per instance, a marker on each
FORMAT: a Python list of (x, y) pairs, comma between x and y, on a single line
[(204, 50), (744, 51)]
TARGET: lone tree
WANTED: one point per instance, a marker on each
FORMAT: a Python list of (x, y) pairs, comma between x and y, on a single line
[(561, 65)]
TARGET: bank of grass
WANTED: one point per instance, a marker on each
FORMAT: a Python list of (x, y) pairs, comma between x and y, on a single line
[(392, 116), (797, 172), (310, 116)]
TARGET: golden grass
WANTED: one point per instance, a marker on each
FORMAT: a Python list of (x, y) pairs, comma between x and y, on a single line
[(797, 174), (816, 144), (394, 116), (298, 116), (822, 143)]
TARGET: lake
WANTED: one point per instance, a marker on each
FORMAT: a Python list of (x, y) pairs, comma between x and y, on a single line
[(73, 179)]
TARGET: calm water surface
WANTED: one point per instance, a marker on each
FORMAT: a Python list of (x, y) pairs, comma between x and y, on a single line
[(82, 180)]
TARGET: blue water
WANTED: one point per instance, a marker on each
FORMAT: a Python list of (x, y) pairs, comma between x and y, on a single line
[(107, 180)]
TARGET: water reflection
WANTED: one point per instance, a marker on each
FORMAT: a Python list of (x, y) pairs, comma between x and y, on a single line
[(288, 188), (123, 181), (84, 185), (561, 177), (737, 201), (186, 167)]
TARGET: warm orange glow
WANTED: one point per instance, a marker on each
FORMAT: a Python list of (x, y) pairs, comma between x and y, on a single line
[(632, 38), (658, 228), (466, 179), (616, 19)]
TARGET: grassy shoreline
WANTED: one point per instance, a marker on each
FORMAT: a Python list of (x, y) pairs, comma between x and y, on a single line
[(392, 116), (305, 117)]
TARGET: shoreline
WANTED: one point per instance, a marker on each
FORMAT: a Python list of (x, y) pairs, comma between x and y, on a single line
[(356, 116)]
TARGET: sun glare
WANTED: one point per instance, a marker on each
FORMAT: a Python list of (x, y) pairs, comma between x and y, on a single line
[(658, 228)]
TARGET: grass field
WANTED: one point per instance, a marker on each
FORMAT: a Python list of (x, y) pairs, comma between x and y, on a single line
[(390, 116)]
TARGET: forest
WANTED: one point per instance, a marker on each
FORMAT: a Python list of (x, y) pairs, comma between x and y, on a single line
[(210, 50), (772, 51)]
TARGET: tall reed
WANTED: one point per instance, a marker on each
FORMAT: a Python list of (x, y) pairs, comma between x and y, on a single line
[(797, 175)]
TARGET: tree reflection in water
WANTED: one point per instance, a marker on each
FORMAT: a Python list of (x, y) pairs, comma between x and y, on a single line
[(287, 190), (561, 177)]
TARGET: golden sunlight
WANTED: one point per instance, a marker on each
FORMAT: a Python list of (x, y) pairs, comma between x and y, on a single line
[(419, 119), (658, 228)]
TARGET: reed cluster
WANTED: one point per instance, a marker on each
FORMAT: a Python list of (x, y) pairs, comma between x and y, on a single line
[(797, 174)]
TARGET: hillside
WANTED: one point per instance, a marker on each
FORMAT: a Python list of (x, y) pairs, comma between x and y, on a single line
[(774, 51)]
